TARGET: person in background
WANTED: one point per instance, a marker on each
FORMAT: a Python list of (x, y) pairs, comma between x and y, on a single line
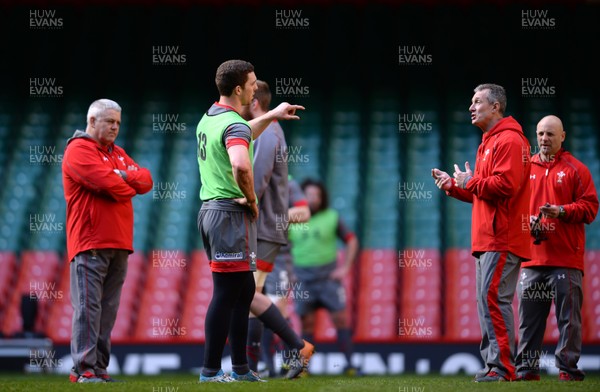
[(99, 181), (564, 197), (499, 191), (318, 275)]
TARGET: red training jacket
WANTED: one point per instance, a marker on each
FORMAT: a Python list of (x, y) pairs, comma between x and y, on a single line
[(99, 209), (499, 191), (563, 181)]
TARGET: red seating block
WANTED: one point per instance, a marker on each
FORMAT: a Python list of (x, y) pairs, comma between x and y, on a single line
[(376, 322), (197, 296), (324, 328), (130, 295), (61, 311), (460, 301), (591, 297), (8, 268), (37, 277), (159, 317), (420, 294)]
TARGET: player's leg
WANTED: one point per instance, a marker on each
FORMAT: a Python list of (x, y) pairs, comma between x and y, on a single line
[(276, 287), (238, 333), (88, 270), (297, 360), (113, 283), (266, 253), (567, 283), (273, 319), (484, 344), (228, 288), (333, 297), (221, 230), (535, 298), (499, 275)]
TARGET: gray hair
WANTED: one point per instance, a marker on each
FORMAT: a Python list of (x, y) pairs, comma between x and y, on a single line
[(496, 93), (100, 106)]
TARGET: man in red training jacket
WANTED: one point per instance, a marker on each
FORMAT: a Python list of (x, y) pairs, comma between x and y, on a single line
[(499, 191), (564, 198), (99, 181)]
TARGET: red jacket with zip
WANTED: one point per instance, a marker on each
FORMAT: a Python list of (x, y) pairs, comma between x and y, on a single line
[(499, 191), (562, 181), (99, 209)]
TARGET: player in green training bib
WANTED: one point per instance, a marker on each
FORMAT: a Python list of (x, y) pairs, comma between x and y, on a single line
[(227, 218), (319, 278)]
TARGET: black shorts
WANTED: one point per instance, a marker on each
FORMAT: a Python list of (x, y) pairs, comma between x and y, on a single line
[(228, 235), (278, 280), (311, 295)]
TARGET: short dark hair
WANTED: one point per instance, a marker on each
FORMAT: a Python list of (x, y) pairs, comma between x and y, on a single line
[(319, 184), (263, 95), (496, 93), (230, 74)]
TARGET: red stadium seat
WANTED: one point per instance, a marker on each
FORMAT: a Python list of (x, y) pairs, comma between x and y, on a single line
[(8, 267), (591, 297), (61, 312), (197, 297), (376, 322), (324, 329), (159, 317), (37, 277), (376, 304), (460, 303), (378, 268), (420, 294), (130, 295)]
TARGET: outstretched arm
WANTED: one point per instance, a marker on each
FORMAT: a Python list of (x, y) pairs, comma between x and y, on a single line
[(284, 111)]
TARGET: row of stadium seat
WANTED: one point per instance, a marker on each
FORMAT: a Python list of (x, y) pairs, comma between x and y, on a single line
[(350, 149), (412, 295)]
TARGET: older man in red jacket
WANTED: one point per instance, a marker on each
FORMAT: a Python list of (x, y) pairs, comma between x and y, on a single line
[(99, 181), (563, 196), (499, 191)]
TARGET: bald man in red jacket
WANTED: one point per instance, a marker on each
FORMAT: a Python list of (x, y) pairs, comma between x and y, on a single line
[(563, 191), (99, 181), (499, 191)]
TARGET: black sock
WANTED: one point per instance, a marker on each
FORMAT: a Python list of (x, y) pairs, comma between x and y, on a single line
[(309, 337), (268, 349), (273, 319), (253, 349), (344, 339)]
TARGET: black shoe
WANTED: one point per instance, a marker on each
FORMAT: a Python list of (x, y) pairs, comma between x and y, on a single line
[(492, 377), (108, 378)]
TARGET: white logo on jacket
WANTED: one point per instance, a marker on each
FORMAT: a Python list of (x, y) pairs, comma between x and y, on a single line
[(560, 175), (487, 152)]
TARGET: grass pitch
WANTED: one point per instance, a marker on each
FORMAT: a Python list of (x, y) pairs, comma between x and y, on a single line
[(188, 382)]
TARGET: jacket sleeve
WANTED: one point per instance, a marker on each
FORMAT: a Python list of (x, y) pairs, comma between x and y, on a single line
[(141, 179), (460, 194), (508, 174), (585, 207), (85, 167), (265, 148)]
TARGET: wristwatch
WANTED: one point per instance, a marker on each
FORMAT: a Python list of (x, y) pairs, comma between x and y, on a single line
[(561, 211)]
